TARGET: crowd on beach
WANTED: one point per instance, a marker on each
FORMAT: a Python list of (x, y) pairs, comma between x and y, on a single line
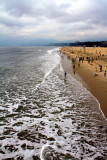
[(79, 55), (90, 60), (93, 60)]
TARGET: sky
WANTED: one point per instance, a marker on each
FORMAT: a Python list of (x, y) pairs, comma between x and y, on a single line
[(42, 21)]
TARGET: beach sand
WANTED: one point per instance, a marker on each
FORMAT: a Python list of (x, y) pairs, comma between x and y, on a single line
[(89, 70)]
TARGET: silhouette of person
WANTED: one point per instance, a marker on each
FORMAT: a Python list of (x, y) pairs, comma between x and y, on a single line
[(65, 73)]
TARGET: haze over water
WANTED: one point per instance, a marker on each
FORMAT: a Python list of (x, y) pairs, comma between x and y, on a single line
[(44, 116)]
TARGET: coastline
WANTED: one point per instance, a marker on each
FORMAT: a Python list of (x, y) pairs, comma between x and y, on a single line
[(85, 71)]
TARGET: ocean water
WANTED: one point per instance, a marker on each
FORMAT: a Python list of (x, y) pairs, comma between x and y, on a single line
[(44, 116)]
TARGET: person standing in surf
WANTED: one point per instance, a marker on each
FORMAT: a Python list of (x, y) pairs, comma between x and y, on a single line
[(65, 74)]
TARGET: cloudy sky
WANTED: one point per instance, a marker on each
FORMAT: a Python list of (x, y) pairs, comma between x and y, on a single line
[(29, 21)]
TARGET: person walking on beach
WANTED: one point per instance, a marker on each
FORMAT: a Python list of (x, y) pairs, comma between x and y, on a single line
[(78, 64), (65, 73), (73, 66), (105, 73), (82, 59), (100, 68)]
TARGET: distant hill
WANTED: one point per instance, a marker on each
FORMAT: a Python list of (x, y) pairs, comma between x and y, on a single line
[(87, 44)]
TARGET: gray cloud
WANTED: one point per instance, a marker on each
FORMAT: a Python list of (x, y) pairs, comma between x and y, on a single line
[(54, 18), (33, 8), (10, 22), (16, 8)]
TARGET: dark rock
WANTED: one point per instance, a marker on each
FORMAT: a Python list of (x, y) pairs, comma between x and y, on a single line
[(42, 136), (3, 137), (10, 148), (1, 152), (58, 145), (30, 147), (8, 131), (20, 158), (51, 139), (20, 107), (35, 157), (42, 123), (101, 127), (91, 143), (22, 134), (56, 126), (23, 146), (29, 136), (11, 115), (99, 158), (59, 132), (18, 124), (82, 124)]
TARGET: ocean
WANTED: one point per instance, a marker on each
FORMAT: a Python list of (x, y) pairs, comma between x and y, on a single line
[(43, 115)]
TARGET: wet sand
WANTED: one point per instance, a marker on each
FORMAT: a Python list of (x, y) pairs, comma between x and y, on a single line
[(87, 68)]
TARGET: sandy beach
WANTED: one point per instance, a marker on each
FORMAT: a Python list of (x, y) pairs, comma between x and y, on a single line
[(90, 63)]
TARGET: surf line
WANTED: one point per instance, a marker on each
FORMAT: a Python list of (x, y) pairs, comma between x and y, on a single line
[(49, 72)]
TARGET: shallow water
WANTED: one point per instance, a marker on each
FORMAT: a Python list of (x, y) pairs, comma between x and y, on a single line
[(42, 114)]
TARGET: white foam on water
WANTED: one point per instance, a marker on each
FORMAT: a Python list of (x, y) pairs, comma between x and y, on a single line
[(50, 51), (42, 150), (53, 61), (54, 49), (53, 118)]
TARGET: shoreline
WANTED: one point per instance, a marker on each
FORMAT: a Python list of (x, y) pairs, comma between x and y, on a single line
[(85, 73)]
